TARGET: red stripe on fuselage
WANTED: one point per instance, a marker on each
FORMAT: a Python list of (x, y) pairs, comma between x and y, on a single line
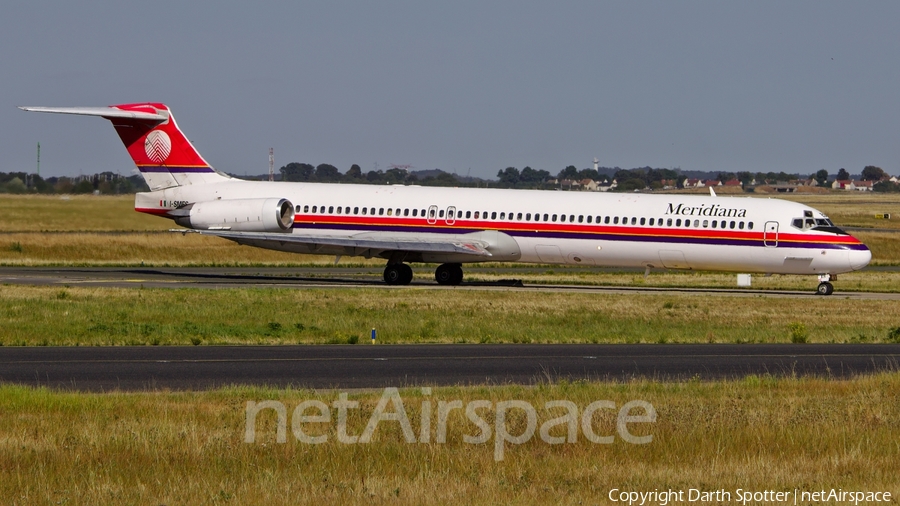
[(624, 231)]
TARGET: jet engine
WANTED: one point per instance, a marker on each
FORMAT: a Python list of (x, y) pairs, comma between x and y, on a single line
[(243, 215)]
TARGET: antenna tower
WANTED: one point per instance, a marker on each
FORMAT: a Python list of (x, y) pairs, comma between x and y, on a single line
[(271, 164)]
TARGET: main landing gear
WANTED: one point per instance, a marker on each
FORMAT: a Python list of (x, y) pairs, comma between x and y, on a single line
[(402, 274), (398, 274), (825, 286), (449, 274)]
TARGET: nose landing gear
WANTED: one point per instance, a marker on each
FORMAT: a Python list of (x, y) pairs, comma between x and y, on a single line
[(825, 287)]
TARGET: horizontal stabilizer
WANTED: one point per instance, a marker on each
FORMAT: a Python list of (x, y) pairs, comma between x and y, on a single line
[(105, 112)]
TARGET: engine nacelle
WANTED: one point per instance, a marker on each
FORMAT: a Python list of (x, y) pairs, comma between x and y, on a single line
[(241, 215)]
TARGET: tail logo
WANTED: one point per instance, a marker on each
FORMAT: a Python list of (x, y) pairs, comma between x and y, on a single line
[(158, 146)]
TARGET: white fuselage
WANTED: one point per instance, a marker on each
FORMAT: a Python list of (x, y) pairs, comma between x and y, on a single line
[(675, 231)]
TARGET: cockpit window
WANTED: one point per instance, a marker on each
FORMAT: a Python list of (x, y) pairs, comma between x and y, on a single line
[(816, 224)]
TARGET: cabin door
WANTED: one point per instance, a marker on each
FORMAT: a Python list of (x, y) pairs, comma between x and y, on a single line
[(770, 234), (451, 215)]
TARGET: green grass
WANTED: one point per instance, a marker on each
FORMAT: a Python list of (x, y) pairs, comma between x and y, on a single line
[(760, 433), (110, 316)]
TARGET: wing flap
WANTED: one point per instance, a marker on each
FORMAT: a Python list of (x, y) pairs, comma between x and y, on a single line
[(372, 242)]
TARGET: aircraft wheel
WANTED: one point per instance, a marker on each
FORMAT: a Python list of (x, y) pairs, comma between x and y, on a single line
[(397, 274), (407, 274), (825, 288), (449, 274)]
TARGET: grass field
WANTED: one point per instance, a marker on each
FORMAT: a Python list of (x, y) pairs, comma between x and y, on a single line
[(106, 231), (759, 433), (109, 316)]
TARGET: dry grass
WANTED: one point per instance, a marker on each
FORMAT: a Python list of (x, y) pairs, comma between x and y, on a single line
[(148, 248), (110, 316), (187, 448), (107, 231), (35, 213)]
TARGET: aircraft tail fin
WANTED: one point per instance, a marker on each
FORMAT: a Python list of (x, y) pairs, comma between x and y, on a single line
[(161, 152)]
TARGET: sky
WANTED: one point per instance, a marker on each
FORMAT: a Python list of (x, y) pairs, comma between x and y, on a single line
[(469, 87)]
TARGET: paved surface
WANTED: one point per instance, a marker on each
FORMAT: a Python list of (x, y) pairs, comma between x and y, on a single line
[(377, 366), (344, 277)]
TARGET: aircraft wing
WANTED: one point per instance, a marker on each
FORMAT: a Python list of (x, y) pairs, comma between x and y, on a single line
[(374, 242)]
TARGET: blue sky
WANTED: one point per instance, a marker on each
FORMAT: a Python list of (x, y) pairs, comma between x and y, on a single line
[(467, 87)]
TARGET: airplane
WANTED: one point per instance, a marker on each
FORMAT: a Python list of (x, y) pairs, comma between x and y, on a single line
[(453, 226)]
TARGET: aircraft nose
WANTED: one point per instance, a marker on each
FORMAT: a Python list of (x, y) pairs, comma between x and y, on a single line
[(860, 258)]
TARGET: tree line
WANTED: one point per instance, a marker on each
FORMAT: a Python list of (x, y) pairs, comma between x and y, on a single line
[(105, 183), (627, 180)]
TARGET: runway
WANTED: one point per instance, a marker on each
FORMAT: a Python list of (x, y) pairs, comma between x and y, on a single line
[(376, 366), (350, 277)]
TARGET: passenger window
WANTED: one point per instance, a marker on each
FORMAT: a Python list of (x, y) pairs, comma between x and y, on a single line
[(580, 218), (494, 215), (669, 222), (589, 219), (390, 212), (546, 217), (314, 209), (298, 209), (616, 220), (339, 210), (714, 224), (741, 225), (696, 223), (450, 213), (406, 212), (441, 213), (553, 218), (519, 217), (431, 213), (380, 211), (528, 217), (364, 211), (705, 223), (330, 209), (678, 222), (642, 221), (355, 210), (571, 218), (305, 209), (476, 215), (502, 216), (468, 214), (651, 222), (750, 225), (606, 220), (562, 218)]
